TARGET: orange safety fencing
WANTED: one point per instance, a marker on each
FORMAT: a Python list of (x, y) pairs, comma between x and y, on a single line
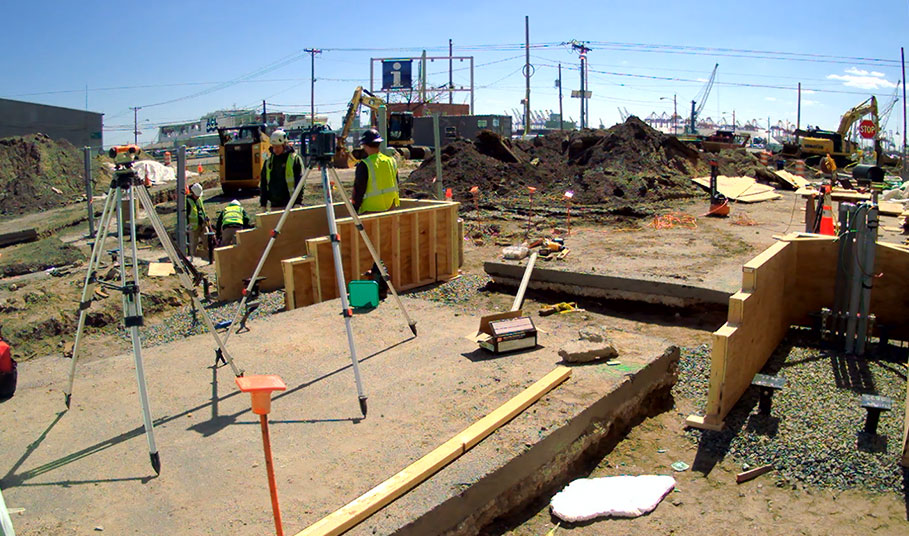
[(674, 219)]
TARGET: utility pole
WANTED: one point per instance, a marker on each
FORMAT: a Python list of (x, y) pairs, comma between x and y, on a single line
[(136, 124), (561, 122), (527, 75), (798, 114), (450, 79), (264, 114), (675, 115), (582, 49), (903, 61), (423, 78), (312, 88)]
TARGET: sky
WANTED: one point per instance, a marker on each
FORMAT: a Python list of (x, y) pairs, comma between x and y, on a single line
[(179, 60)]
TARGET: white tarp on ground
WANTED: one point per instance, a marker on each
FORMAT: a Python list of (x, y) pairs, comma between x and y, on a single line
[(156, 172), (618, 496)]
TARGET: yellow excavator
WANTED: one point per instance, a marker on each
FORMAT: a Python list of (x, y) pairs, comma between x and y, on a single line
[(814, 144), (399, 135)]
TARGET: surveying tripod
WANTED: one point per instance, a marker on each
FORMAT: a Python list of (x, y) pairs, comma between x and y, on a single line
[(125, 180), (320, 149)]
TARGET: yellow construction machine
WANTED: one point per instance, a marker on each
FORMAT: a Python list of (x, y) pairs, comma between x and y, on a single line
[(399, 135), (814, 144), (242, 151)]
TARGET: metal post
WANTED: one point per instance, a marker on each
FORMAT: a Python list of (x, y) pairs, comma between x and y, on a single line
[(471, 87), (87, 155), (870, 228), (264, 113), (527, 75), (583, 93), (855, 277), (450, 78), (675, 115), (382, 120), (423, 78), (181, 199), (561, 122), (437, 153), (372, 62), (798, 115)]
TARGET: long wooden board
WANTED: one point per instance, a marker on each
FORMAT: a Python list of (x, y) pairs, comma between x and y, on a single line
[(380, 496)]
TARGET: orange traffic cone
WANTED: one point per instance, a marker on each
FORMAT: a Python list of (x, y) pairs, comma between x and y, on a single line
[(200, 169), (827, 227)]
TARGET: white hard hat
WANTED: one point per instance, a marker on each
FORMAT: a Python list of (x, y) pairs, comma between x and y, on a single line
[(196, 189), (234, 202), (278, 137)]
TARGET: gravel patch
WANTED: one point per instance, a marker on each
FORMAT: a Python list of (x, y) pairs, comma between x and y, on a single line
[(456, 291), (180, 325), (814, 433)]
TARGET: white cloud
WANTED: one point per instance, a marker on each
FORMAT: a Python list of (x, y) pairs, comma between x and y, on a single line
[(701, 80), (771, 99), (809, 102), (862, 79), (808, 91)]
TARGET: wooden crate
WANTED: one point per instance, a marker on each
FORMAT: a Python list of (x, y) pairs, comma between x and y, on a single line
[(418, 242)]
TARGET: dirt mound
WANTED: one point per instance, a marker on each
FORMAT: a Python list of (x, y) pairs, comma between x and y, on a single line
[(627, 164), (32, 167)]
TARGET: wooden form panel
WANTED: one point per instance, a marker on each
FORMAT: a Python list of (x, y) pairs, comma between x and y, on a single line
[(781, 287), (391, 232), (754, 327), (418, 246)]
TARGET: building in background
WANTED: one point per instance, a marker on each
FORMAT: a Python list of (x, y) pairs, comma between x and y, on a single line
[(79, 127), (204, 131)]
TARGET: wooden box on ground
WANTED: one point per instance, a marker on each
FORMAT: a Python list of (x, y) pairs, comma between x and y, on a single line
[(418, 241), (781, 287)]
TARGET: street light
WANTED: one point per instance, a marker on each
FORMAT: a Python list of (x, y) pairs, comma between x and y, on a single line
[(674, 112)]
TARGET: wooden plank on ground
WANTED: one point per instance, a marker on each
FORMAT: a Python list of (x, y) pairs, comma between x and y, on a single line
[(18, 237), (791, 179), (745, 476), (380, 496), (160, 269)]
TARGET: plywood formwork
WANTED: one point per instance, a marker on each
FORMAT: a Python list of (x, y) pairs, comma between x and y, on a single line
[(418, 242), (781, 287)]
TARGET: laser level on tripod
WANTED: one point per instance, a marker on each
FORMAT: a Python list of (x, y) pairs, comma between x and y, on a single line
[(126, 182)]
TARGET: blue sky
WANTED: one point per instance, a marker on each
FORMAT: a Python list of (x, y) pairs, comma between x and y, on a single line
[(179, 60)]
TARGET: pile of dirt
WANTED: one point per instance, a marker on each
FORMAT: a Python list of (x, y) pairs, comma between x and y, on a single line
[(37, 256), (38, 173), (628, 164)]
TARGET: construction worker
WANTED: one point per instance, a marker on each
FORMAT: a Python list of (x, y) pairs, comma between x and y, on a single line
[(230, 220), (281, 173), (196, 220), (376, 180)]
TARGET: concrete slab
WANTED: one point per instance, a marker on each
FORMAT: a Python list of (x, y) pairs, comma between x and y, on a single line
[(89, 467)]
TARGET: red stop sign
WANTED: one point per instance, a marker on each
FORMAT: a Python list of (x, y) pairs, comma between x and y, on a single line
[(867, 129)]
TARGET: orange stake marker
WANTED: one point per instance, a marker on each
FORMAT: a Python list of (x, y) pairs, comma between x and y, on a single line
[(260, 388)]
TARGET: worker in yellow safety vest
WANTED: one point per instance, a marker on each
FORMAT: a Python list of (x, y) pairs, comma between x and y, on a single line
[(376, 179), (196, 220), (283, 163), (230, 220)]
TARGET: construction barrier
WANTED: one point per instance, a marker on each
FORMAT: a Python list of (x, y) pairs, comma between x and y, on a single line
[(800, 168), (765, 158)]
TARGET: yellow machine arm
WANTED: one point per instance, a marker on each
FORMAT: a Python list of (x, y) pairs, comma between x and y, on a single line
[(360, 97), (853, 115)]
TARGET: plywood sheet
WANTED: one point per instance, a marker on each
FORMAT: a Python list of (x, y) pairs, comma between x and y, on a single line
[(743, 189), (791, 179)]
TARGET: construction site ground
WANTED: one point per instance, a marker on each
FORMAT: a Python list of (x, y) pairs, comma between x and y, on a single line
[(87, 469)]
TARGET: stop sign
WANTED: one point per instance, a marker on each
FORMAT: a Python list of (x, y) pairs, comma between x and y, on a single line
[(867, 129)]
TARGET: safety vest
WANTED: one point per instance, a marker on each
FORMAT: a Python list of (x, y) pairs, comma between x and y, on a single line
[(196, 206), (382, 188), (288, 171), (233, 215)]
